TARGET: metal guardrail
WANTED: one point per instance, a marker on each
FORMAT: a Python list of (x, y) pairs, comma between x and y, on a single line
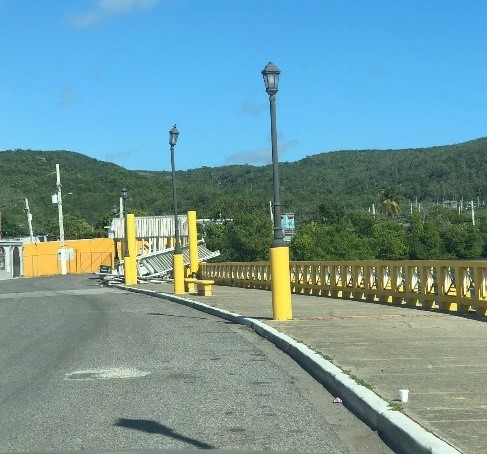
[(457, 286), (160, 263)]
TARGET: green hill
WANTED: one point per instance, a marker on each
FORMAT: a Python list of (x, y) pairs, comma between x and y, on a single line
[(351, 178)]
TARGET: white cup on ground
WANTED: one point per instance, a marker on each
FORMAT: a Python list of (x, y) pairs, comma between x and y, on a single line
[(404, 394)]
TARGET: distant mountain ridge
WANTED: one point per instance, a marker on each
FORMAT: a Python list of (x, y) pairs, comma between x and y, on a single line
[(352, 178)]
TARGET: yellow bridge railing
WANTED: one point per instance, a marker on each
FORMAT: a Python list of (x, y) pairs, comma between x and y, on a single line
[(459, 286)]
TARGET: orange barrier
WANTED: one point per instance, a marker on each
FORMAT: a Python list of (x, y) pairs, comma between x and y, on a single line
[(84, 256)]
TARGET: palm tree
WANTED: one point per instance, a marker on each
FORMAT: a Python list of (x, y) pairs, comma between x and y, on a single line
[(389, 198)]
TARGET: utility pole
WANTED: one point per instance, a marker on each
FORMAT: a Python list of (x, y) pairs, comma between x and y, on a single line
[(29, 220), (473, 213), (61, 221)]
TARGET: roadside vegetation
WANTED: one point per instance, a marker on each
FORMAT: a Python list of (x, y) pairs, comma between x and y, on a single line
[(348, 205)]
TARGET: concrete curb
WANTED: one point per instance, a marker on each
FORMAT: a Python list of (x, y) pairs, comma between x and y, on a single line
[(399, 431)]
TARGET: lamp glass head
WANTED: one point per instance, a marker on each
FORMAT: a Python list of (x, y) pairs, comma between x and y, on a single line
[(173, 135), (271, 78), (125, 193)]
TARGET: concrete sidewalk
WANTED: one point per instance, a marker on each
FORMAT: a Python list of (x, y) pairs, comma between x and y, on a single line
[(440, 358)]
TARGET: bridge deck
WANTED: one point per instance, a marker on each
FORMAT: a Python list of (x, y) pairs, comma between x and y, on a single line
[(441, 358)]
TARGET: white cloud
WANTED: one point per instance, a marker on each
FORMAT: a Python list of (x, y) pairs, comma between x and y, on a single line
[(111, 157), (107, 9), (259, 156), (253, 109), (285, 146), (254, 103)]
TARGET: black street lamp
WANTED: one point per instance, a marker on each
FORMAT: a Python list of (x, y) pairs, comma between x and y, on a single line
[(271, 79), (279, 253), (116, 258), (178, 260), (173, 138), (125, 195)]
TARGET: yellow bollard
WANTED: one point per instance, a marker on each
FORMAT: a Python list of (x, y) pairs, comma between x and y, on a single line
[(178, 270), (130, 261), (281, 284), (193, 243)]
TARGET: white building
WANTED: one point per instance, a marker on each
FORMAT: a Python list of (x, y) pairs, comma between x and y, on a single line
[(10, 259)]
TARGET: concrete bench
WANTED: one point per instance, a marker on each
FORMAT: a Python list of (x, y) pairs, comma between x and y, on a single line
[(198, 286)]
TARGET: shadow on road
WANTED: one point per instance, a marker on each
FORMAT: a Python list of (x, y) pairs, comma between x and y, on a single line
[(153, 427)]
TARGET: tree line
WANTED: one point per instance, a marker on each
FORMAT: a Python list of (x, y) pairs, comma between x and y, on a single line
[(337, 233), (353, 180)]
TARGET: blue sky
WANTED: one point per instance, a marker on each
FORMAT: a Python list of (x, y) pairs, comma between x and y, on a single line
[(109, 78)]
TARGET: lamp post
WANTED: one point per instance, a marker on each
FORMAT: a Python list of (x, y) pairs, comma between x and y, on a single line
[(116, 258), (280, 276), (124, 193), (271, 79), (178, 265)]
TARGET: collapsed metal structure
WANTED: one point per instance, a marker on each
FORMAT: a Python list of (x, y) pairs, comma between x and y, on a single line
[(160, 264), (155, 237)]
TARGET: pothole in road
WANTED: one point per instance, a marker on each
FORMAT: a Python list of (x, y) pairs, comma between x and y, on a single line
[(105, 374)]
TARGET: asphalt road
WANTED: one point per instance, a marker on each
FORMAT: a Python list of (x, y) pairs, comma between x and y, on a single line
[(89, 367)]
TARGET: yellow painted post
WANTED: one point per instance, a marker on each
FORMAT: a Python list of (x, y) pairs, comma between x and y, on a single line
[(178, 270), (130, 264), (193, 242), (281, 284)]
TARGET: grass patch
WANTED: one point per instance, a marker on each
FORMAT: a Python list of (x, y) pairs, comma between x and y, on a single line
[(328, 358), (359, 381), (396, 406)]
